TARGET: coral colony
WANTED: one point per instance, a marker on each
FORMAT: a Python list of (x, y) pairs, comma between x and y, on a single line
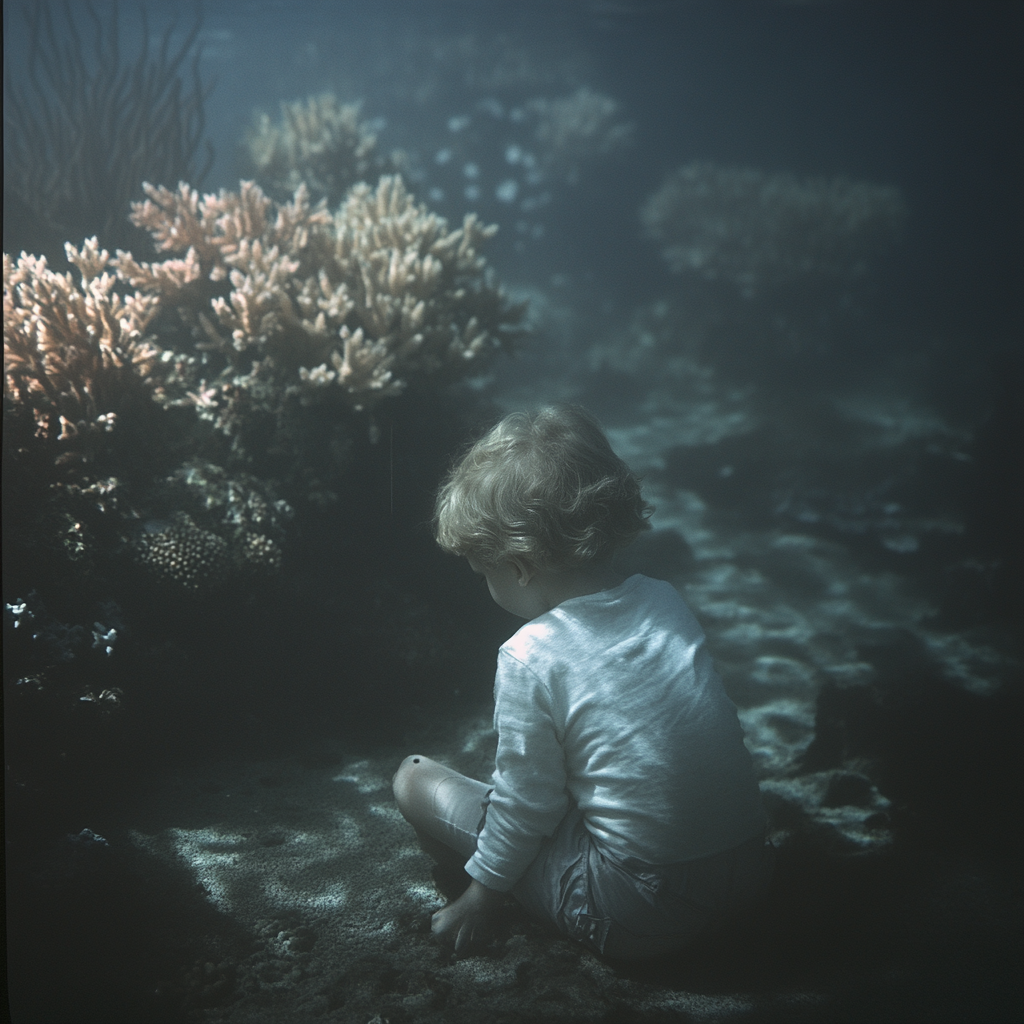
[(297, 318), (164, 418), (363, 300)]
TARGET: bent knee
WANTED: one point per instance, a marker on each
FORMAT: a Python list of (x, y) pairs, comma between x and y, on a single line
[(403, 784)]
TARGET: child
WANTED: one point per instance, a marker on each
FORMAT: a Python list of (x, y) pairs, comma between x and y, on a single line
[(624, 807)]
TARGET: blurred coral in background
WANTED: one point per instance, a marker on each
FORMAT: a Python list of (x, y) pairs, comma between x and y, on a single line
[(572, 130), (320, 143), (758, 231)]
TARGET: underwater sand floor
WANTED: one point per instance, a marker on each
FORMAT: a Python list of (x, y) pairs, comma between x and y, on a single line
[(310, 857)]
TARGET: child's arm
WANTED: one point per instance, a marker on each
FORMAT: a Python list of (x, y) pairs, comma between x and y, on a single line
[(466, 922), (530, 795)]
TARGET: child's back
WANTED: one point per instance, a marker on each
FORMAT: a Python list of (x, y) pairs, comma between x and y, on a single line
[(611, 700)]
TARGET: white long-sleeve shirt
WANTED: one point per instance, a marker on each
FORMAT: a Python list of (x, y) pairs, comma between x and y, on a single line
[(611, 701)]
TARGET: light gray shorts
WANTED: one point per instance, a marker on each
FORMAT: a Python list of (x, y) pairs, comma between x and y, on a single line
[(622, 908)]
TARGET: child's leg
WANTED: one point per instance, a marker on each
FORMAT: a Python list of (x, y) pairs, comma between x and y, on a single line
[(445, 808)]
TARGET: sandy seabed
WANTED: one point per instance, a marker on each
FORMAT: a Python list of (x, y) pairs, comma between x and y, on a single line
[(321, 902)]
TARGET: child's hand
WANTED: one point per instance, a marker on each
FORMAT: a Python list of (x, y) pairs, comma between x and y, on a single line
[(467, 921)]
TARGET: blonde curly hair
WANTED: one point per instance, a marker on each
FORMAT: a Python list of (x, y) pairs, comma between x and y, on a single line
[(543, 487)]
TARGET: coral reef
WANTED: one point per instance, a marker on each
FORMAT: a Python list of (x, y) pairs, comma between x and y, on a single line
[(74, 355), (353, 307), (218, 528), (84, 126), (155, 413), (574, 129), (166, 414), (182, 555), (758, 231), (321, 143)]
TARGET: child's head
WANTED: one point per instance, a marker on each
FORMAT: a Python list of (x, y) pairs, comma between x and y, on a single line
[(544, 488)]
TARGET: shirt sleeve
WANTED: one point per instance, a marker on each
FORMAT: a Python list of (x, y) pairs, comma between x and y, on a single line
[(529, 797)]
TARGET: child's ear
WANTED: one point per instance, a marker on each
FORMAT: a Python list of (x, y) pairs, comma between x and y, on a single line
[(523, 572)]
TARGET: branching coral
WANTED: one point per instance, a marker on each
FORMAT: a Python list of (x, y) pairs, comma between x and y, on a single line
[(759, 231), (295, 319), (320, 143), (355, 306), (75, 354), (211, 230), (406, 297)]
